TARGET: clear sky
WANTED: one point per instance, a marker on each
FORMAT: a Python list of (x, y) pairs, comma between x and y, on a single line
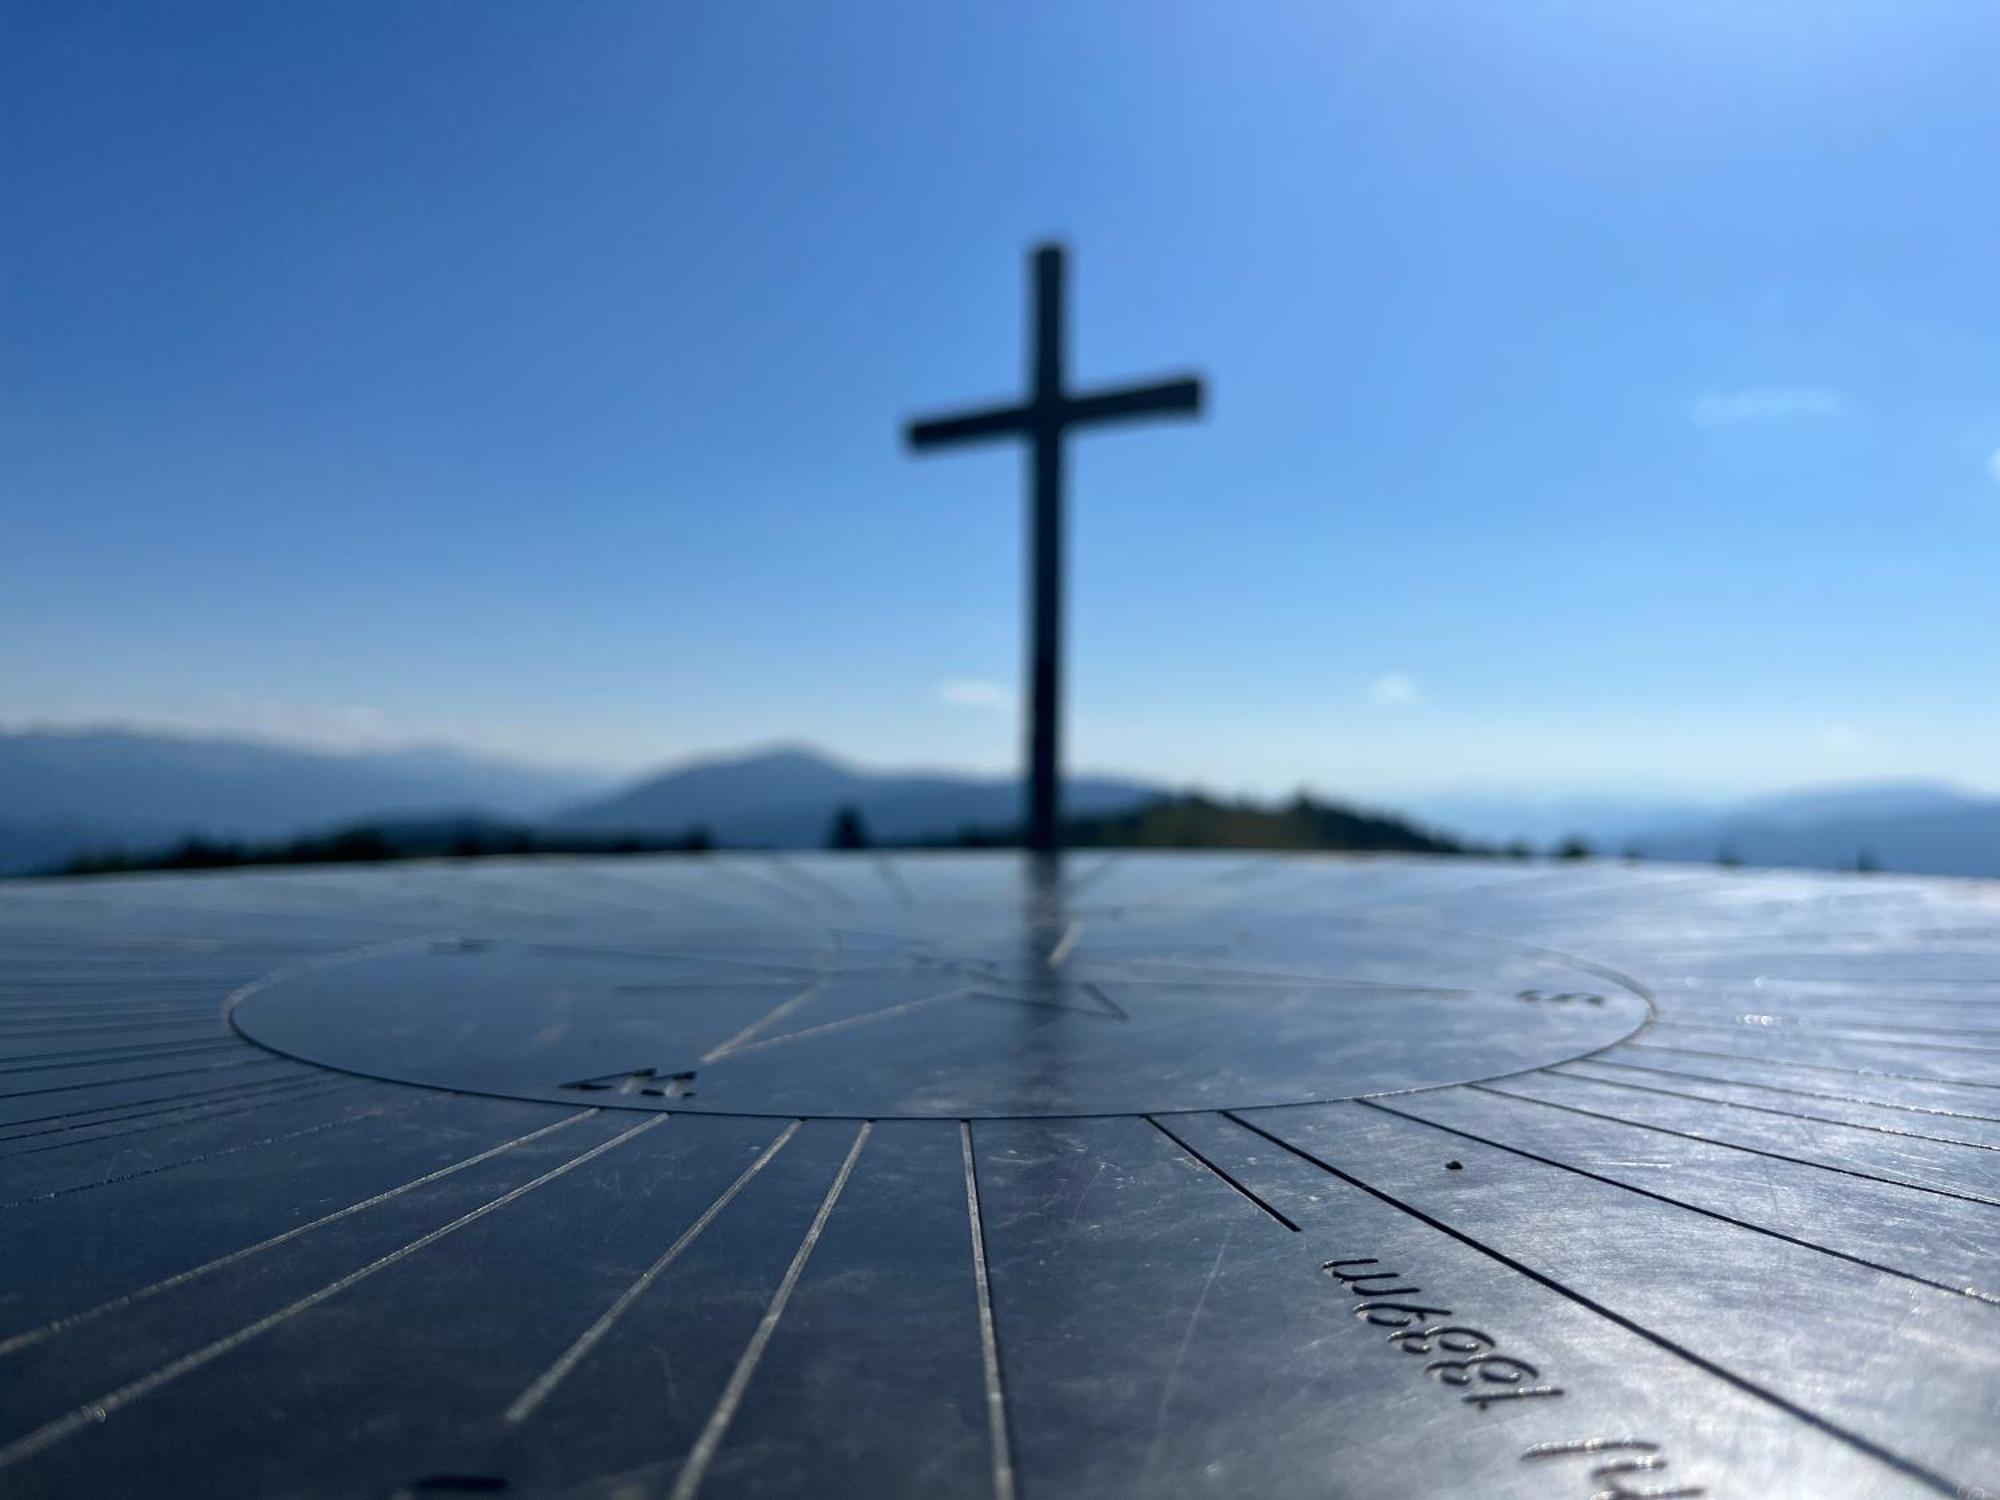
[(1604, 396)]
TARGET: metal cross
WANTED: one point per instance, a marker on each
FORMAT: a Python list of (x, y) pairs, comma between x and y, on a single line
[(1049, 412)]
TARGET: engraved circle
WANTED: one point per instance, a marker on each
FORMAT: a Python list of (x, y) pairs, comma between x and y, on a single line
[(984, 1006)]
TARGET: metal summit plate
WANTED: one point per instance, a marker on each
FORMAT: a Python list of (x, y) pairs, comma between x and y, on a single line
[(941, 1175)]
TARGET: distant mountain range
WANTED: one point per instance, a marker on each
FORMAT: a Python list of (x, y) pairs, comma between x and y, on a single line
[(69, 793), (1925, 827), (1918, 827), (66, 793), (1546, 819), (786, 797)]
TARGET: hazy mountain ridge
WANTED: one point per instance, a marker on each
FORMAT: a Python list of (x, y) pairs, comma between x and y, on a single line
[(1866, 799), (1915, 827), (785, 798), (1919, 826), (67, 791), (1546, 819)]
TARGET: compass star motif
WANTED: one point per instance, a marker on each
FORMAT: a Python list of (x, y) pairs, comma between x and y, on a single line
[(1064, 977)]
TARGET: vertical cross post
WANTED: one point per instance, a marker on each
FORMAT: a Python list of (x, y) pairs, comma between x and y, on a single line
[(1045, 605), (1044, 419)]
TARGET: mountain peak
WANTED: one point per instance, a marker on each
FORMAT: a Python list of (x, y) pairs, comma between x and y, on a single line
[(785, 795), (780, 755)]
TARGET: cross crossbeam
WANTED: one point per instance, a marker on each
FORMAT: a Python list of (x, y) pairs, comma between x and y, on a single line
[(1044, 419), (1166, 398)]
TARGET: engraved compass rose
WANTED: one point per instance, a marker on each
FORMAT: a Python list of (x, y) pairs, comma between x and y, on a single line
[(1003, 1010)]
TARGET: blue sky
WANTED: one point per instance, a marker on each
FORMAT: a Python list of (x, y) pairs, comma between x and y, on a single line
[(1604, 397)]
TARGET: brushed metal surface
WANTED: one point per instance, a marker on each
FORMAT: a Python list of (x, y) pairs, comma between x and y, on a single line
[(1360, 1195)]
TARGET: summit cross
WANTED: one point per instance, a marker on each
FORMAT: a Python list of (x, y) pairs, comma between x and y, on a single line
[(1044, 419)]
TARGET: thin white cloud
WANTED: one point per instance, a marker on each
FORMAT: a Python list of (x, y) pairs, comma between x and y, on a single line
[(1993, 465), (972, 692), (1765, 403), (1393, 690)]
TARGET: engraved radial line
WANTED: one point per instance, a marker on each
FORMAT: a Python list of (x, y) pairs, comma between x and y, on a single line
[(1066, 945), (1885, 1020), (1707, 1213), (807, 881), (1098, 1010), (1742, 1028), (15, 1034), (711, 1437), (847, 1023), (122, 997), (172, 1101), (893, 878), (1096, 992), (893, 942), (1779, 1088), (63, 1324), (88, 1057), (1909, 1466), (545, 1383), (989, 1342), (1709, 1140), (780, 973), (188, 1161), (1081, 883), (757, 1027), (192, 1050), (789, 897), (104, 1083), (1189, 1150), (284, 1092), (704, 986), (1793, 1062), (972, 968), (1766, 1109), (1270, 984), (1845, 995), (92, 1413), (1214, 974), (103, 1010)]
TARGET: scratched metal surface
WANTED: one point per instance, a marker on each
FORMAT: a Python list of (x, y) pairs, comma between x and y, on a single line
[(843, 1175)]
